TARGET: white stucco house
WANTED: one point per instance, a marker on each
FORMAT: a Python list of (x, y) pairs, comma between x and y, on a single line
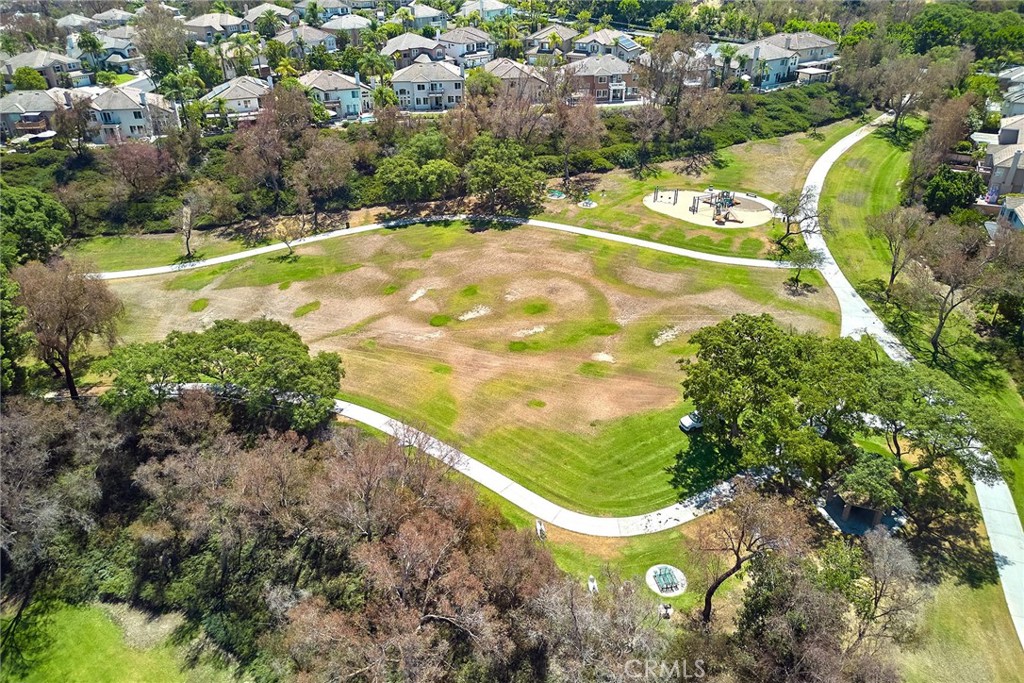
[(428, 86), (241, 95), (488, 10), (346, 95), (468, 46), (126, 113)]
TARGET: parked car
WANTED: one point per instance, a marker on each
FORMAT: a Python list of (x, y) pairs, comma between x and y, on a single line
[(690, 422)]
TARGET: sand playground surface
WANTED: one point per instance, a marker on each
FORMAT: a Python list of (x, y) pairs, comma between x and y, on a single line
[(745, 211)]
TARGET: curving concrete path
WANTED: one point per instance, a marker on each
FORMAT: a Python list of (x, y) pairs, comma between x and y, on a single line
[(561, 227), (1004, 526)]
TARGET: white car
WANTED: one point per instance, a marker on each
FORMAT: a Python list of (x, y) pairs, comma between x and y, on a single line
[(690, 422)]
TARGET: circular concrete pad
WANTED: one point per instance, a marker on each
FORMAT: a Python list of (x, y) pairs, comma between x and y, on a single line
[(678, 575), (746, 212)]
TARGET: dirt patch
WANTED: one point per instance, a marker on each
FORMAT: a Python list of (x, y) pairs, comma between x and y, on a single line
[(142, 630)]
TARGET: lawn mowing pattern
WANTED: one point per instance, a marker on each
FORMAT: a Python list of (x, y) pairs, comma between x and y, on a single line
[(142, 251)]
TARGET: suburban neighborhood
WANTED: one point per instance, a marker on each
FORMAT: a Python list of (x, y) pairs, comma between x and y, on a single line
[(510, 340)]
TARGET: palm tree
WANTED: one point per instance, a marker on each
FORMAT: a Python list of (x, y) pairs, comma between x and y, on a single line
[(267, 23), (92, 46), (727, 51), (181, 86), (247, 49), (313, 14), (221, 7), (763, 69), (384, 96), (372, 63), (287, 68)]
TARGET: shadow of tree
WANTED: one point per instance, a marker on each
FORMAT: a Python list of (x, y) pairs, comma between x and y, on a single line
[(902, 138), (701, 465)]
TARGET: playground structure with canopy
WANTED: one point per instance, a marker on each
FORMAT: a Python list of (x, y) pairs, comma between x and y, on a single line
[(712, 207)]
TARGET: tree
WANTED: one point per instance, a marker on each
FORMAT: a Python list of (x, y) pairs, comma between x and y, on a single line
[(65, 309), (573, 126), (749, 525), (965, 265), (903, 229), (108, 79), (267, 24), (162, 38), (324, 171), (314, 14), (89, 44), (948, 124), (207, 70), (801, 258), (949, 190), (26, 78), (140, 166), (261, 367), (801, 215), (194, 203), (14, 340), (907, 83), (32, 225), (276, 52), (647, 121), (384, 97), (74, 125), (501, 173), (182, 85)]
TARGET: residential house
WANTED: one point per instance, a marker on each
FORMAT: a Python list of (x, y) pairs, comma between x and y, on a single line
[(117, 54), (126, 113), (30, 112), (815, 55), (765, 64), (346, 95), (606, 78), (518, 77), (1011, 213), (328, 8), (607, 41), (422, 16), (113, 17), (241, 95), (58, 70), (76, 22), (125, 32), (488, 10), (1013, 102), (170, 9), (300, 40), (404, 49), (1005, 159), (468, 46), (428, 86), (362, 4), (348, 25), (288, 16), (550, 44), (1008, 78), (210, 27)]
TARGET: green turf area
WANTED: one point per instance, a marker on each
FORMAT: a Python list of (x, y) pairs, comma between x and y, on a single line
[(130, 252), (765, 167), (864, 182), (120, 79), (198, 305), (306, 309), (85, 645)]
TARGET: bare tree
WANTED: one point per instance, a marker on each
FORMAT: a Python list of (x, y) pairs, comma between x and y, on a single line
[(574, 124), (65, 309), (801, 214), (140, 166), (965, 265), (196, 201), (749, 525), (647, 121), (74, 125), (903, 229), (323, 172), (948, 125), (889, 600)]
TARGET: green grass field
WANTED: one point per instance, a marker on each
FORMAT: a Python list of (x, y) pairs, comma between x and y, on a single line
[(145, 251), (85, 645)]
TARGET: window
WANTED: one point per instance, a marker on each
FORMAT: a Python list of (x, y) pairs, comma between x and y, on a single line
[(137, 114), (451, 99), (601, 79), (602, 93), (107, 118), (246, 103), (56, 67), (354, 94), (420, 86), (458, 86), (419, 101)]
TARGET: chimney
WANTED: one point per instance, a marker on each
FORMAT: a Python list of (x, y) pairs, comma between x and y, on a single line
[(245, 9), (270, 81), (789, 39), (67, 99), (757, 55), (142, 99), (358, 81), (462, 73), (70, 44)]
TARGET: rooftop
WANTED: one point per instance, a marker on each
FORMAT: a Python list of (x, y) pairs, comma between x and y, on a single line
[(330, 80), (466, 34), (427, 71), (408, 41), (238, 88)]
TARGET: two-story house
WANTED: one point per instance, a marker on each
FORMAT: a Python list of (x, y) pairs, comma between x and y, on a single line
[(487, 10), (30, 112), (606, 78), (607, 41), (550, 44), (428, 86), (117, 54), (346, 95), (416, 17), (241, 95), (815, 55), (468, 46), (77, 22), (404, 49), (210, 27), (518, 77), (60, 71), (300, 40), (289, 17), (126, 113), (328, 8), (349, 25), (1005, 158), (113, 17), (765, 64), (1011, 213)]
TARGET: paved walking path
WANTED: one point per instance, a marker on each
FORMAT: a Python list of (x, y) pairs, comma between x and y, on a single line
[(1004, 526), (399, 223), (1001, 520)]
